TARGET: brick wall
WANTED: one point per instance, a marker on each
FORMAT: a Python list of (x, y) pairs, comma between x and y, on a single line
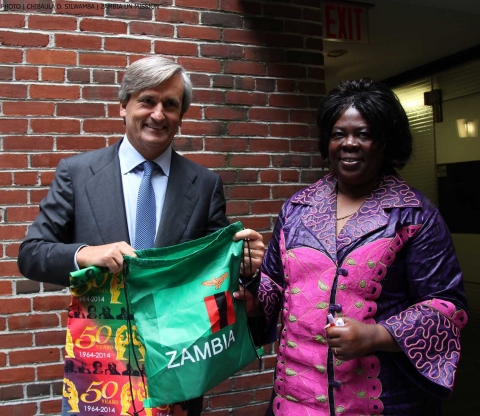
[(258, 75)]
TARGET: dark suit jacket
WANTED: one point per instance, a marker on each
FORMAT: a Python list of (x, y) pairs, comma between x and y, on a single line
[(85, 206)]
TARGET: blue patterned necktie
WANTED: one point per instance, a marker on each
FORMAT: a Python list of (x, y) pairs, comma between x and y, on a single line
[(145, 224)]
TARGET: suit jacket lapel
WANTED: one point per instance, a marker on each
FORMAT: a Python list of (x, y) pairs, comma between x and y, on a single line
[(105, 194), (180, 200)]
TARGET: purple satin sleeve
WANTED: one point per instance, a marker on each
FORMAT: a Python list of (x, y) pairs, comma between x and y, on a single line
[(430, 338)]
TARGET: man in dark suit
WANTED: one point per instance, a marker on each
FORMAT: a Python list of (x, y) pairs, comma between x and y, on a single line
[(89, 216)]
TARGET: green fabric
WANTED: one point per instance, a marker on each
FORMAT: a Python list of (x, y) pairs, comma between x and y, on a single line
[(171, 291)]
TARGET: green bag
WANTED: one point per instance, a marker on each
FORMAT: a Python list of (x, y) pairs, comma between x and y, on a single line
[(194, 332)]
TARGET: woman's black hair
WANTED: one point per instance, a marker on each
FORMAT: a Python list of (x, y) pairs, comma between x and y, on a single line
[(380, 107)]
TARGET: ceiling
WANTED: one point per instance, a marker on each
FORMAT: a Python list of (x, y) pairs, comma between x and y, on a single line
[(403, 35)]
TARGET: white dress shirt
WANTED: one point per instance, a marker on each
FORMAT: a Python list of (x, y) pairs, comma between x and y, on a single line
[(132, 176)]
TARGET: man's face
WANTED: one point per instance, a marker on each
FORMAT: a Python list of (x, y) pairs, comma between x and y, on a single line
[(152, 117)]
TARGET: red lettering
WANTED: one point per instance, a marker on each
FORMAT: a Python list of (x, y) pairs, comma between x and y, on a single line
[(329, 21), (342, 29), (350, 24), (358, 12)]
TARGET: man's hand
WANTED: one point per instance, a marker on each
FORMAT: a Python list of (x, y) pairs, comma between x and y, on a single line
[(108, 255), (257, 250), (356, 339)]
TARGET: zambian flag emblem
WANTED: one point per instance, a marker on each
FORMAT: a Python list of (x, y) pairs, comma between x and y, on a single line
[(220, 310)]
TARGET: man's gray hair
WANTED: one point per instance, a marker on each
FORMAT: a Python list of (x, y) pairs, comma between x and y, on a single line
[(150, 72)]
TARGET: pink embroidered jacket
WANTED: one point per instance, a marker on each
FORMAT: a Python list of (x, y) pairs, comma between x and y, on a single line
[(393, 263)]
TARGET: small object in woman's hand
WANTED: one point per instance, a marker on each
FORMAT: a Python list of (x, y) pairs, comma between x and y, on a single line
[(332, 322)]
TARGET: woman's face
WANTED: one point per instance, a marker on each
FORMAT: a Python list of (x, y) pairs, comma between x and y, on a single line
[(354, 154)]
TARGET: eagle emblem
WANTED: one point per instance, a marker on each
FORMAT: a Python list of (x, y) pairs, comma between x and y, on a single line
[(216, 281)]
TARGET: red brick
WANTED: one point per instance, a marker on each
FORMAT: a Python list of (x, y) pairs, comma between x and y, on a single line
[(286, 71), (78, 75), (38, 355), (34, 321), (269, 176), (51, 22), (176, 16), (188, 144), (265, 84), (37, 195), (9, 232), (200, 64), (13, 90), (12, 251), (127, 45), (241, 6), (5, 178), (28, 108), (243, 36), (50, 338), (253, 381), (5, 289), (304, 146), (244, 83), (246, 175), (269, 145), (288, 100), (229, 400), (205, 4), (268, 114), (56, 92), (46, 177), (176, 48), (312, 87), (9, 269), (195, 128), (289, 175), (62, 9), (249, 160), (246, 98), (289, 130), (303, 116), (247, 129), (100, 93), (12, 20), (69, 41), (225, 113), (312, 176), (208, 96), (103, 76), (13, 125), (80, 110), (237, 208), (262, 395), (266, 207), (290, 161), (103, 126), (222, 81), (49, 303), (11, 393), (51, 407), (286, 85), (23, 39), (207, 160), (102, 59), (225, 144), (11, 55), (13, 197), (13, 340), (12, 161), (196, 32), (228, 176), (152, 29), (265, 54), (47, 160), (27, 143), (3, 356), (52, 57), (22, 409), (103, 26), (6, 73), (254, 409), (16, 375), (53, 74), (241, 67), (249, 192), (26, 73), (50, 372), (314, 43), (133, 13), (193, 112), (222, 51), (285, 191), (21, 214), (49, 125)]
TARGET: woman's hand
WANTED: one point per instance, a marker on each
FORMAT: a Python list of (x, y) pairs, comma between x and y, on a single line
[(257, 251), (356, 339)]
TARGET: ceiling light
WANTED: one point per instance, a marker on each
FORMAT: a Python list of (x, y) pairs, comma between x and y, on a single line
[(336, 53)]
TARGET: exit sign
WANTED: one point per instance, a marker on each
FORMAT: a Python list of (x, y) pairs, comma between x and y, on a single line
[(345, 21)]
